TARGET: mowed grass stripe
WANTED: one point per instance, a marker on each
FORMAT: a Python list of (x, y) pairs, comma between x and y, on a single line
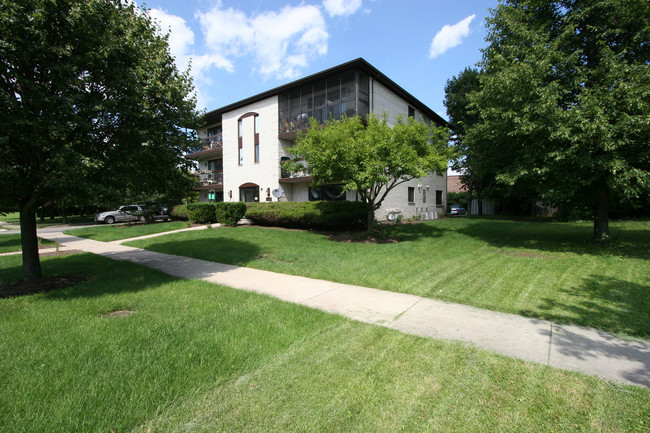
[(540, 269)]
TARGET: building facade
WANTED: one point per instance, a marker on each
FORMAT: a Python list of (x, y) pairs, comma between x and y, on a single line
[(245, 143)]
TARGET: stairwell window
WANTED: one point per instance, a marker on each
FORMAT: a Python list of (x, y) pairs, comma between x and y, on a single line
[(257, 138), (241, 141)]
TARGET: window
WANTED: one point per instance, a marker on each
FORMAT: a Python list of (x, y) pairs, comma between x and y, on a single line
[(257, 138), (424, 195), (327, 193), (241, 141), (411, 112), (411, 194), (215, 164), (438, 198), (215, 134), (249, 194)]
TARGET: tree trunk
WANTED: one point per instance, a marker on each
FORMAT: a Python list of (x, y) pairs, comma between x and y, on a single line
[(480, 201), (371, 217), (64, 216), (601, 217), (29, 242), (469, 201)]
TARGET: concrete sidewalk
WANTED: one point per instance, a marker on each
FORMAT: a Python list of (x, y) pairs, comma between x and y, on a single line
[(567, 347)]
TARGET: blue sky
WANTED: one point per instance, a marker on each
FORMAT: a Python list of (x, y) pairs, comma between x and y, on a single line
[(241, 48)]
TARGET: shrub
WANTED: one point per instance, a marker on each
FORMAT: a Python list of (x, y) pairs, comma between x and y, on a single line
[(203, 213), (328, 215), (229, 213), (179, 212)]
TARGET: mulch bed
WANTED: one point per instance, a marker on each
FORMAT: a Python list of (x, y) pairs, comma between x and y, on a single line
[(40, 285)]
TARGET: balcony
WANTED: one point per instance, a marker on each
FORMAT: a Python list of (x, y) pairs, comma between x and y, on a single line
[(210, 178), (210, 145), (291, 172)]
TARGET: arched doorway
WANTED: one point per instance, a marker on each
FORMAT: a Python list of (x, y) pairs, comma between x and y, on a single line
[(249, 192)]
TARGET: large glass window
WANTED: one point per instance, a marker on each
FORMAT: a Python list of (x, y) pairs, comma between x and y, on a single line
[(438, 198), (411, 194), (346, 93), (215, 164), (249, 194), (327, 193)]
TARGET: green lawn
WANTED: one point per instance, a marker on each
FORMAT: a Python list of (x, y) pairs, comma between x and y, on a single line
[(108, 233), (538, 269), (205, 358), (11, 242), (14, 218)]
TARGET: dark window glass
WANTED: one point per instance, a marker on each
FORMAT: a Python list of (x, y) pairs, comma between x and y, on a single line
[(411, 194), (215, 164), (327, 193), (249, 194), (438, 198), (411, 112)]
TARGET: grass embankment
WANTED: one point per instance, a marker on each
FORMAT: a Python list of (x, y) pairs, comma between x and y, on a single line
[(11, 242), (116, 232), (200, 357), (538, 269)]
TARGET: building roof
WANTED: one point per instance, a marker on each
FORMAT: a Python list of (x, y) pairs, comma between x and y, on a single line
[(214, 116)]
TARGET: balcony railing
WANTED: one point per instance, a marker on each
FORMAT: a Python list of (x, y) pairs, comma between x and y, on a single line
[(212, 142), (291, 170), (210, 177)]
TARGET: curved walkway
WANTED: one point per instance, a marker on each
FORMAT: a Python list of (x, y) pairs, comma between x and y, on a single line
[(567, 347)]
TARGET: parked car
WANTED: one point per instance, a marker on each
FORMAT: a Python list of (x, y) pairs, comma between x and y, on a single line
[(457, 210), (128, 213), (161, 213)]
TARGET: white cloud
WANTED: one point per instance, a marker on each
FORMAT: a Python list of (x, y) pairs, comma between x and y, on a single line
[(341, 7), (449, 37), (281, 43), (181, 42)]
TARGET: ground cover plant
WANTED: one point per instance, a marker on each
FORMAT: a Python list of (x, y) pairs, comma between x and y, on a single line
[(11, 242), (133, 350), (540, 269), (117, 232)]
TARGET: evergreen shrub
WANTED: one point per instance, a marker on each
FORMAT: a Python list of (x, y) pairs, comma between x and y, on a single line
[(229, 213), (203, 213), (323, 215)]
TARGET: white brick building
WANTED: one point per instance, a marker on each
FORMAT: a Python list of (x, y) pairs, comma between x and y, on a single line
[(246, 142)]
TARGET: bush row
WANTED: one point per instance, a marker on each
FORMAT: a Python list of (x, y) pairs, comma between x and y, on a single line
[(208, 213), (323, 215), (179, 212)]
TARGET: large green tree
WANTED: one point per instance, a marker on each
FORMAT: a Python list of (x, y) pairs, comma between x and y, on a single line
[(564, 99), (372, 158), (89, 95)]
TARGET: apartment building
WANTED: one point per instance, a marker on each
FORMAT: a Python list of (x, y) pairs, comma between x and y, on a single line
[(245, 143)]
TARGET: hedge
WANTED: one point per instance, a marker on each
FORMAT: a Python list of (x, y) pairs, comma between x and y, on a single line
[(229, 213), (179, 212), (323, 215), (203, 213)]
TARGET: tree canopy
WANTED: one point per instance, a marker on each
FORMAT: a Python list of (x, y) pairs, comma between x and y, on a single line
[(89, 97), (372, 158), (564, 99)]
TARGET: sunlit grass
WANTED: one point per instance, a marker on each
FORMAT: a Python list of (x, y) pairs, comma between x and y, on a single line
[(108, 233), (538, 269), (199, 357)]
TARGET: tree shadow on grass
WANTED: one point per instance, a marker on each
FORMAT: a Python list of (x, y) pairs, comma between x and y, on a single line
[(607, 303), (178, 260), (215, 249), (558, 237), (412, 232)]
